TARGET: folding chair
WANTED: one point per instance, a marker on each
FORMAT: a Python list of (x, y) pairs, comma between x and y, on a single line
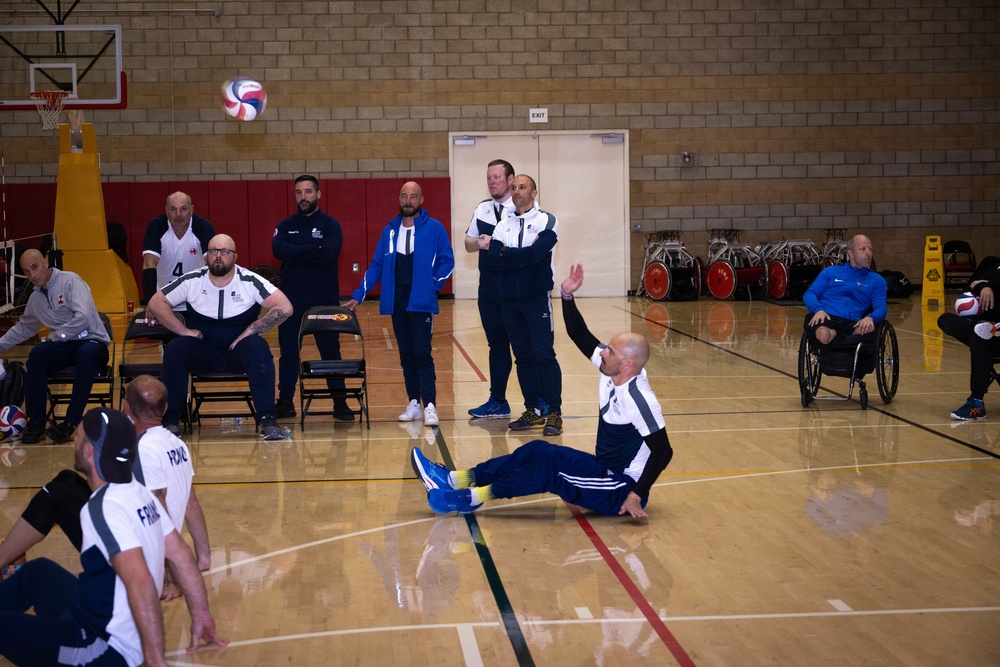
[(60, 384), (339, 320), (959, 263), (145, 354), (220, 388)]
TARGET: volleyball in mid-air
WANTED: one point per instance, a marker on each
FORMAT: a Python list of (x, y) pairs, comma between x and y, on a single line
[(244, 99), (967, 305), (12, 420)]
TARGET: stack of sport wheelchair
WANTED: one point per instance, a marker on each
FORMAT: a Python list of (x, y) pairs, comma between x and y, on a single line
[(852, 357), (669, 270), (792, 266), (732, 264)]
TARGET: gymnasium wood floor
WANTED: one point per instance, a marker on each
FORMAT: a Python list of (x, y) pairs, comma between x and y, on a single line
[(778, 535)]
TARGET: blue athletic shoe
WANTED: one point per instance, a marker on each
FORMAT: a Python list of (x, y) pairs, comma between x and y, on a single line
[(973, 410), (433, 475), (446, 501), (491, 410), (543, 407)]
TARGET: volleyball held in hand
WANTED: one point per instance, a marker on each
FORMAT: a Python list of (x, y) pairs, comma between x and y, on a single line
[(12, 420), (244, 99), (967, 305)]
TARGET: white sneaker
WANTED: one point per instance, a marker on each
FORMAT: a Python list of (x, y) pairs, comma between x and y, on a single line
[(412, 412), (986, 330), (430, 415)]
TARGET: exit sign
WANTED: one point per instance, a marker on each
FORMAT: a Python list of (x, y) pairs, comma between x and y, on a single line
[(538, 115)]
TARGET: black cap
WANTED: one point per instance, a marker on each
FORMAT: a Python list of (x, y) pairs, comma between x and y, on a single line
[(113, 436)]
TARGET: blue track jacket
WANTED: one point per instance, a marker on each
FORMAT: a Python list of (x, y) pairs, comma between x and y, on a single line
[(847, 292), (433, 262)]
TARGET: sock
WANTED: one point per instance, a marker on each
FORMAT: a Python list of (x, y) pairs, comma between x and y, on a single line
[(461, 479), (481, 494)]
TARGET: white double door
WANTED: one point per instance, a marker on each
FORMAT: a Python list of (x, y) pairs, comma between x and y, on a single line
[(582, 179)]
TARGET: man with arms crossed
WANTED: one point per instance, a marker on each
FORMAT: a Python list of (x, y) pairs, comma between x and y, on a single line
[(488, 214), (308, 244), (521, 254)]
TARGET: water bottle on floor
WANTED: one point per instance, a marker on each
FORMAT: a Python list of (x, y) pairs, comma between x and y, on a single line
[(231, 424)]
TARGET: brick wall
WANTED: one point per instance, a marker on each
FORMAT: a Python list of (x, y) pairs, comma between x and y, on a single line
[(879, 116)]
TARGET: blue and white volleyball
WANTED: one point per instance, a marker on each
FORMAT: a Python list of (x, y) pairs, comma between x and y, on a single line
[(244, 99)]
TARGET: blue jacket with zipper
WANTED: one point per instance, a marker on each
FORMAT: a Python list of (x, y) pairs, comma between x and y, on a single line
[(433, 262)]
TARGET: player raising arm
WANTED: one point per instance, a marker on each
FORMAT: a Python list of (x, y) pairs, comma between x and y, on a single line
[(632, 445)]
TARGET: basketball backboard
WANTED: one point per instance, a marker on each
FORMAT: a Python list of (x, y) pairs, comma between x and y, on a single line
[(84, 61)]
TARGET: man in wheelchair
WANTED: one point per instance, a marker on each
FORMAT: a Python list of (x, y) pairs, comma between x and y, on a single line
[(847, 307), (849, 299)]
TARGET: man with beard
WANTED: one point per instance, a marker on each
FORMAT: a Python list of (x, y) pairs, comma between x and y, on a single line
[(162, 465), (175, 243), (219, 334), (413, 260), (61, 301), (308, 244), (110, 614), (632, 445)]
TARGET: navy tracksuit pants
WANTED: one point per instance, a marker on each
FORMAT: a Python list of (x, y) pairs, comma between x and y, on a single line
[(529, 326), (541, 467)]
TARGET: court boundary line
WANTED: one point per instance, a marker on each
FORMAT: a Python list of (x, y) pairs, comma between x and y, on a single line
[(738, 355), (552, 498), (640, 600), (507, 615), (714, 477), (586, 621)]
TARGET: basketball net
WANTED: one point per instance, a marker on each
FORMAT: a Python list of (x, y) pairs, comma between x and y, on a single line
[(49, 104)]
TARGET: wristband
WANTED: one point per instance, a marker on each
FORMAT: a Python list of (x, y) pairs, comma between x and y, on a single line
[(567, 297)]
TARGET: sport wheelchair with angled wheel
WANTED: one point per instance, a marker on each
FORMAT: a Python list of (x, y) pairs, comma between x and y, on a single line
[(852, 357)]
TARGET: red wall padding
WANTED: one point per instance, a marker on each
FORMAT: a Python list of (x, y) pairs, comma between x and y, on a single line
[(246, 210)]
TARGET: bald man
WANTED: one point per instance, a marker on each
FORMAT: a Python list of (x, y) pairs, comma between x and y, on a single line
[(413, 260), (220, 331), (175, 243), (632, 444), (849, 299), (62, 302)]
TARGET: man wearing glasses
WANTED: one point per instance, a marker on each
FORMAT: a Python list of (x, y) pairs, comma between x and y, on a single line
[(220, 330)]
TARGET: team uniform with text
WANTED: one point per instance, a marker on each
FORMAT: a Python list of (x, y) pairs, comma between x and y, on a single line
[(86, 621), (221, 314), (632, 445)]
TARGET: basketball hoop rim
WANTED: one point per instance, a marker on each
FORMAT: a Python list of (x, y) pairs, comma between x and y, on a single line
[(49, 104), (51, 100)]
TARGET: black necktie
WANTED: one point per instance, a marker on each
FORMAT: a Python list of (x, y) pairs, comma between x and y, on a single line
[(498, 211), (409, 234), (520, 234)]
